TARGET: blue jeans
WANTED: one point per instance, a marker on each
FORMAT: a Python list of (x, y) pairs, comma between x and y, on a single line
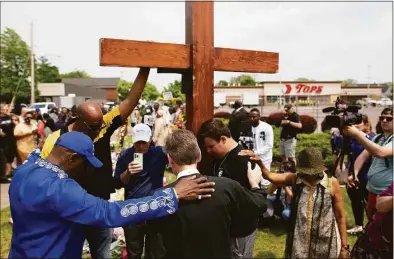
[(99, 240), (286, 213)]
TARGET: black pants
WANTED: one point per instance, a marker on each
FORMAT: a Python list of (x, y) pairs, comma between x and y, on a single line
[(357, 196), (135, 235), (3, 162)]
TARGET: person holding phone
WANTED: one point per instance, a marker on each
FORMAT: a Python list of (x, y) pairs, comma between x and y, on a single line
[(140, 170), (24, 133)]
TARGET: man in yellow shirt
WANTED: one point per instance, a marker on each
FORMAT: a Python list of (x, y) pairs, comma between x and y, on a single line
[(90, 121)]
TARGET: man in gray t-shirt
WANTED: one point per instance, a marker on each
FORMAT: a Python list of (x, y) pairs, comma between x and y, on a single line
[(380, 174)]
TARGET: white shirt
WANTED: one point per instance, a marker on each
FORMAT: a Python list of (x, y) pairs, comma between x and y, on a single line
[(187, 172), (263, 140)]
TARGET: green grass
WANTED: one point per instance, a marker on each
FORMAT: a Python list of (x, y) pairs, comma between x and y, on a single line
[(5, 232)]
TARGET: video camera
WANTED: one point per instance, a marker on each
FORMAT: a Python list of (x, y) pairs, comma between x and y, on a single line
[(342, 116), (246, 135)]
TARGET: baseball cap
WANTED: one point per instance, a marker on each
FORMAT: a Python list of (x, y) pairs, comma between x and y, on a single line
[(80, 144), (288, 106), (141, 132)]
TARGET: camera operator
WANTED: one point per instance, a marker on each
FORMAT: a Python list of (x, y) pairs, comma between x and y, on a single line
[(238, 116), (380, 173), (358, 194), (291, 123)]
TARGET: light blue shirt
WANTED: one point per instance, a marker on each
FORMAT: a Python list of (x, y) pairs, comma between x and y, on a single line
[(379, 175)]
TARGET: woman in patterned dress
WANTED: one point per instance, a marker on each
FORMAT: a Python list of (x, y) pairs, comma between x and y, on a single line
[(318, 223)]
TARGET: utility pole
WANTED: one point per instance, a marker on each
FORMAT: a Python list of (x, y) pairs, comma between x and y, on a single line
[(369, 79), (32, 99)]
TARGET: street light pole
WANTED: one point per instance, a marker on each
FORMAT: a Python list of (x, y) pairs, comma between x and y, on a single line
[(369, 67), (32, 98)]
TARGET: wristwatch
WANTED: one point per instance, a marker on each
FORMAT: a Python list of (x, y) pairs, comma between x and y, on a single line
[(255, 188)]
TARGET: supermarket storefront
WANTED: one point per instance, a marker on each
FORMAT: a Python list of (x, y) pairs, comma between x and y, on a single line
[(303, 93)]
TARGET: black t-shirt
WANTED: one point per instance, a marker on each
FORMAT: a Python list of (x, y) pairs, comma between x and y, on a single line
[(287, 130), (100, 182), (203, 229), (7, 127), (233, 166)]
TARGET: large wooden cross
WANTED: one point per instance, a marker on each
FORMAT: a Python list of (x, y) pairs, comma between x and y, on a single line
[(196, 60)]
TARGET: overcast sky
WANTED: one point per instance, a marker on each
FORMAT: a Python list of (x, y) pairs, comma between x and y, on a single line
[(321, 41)]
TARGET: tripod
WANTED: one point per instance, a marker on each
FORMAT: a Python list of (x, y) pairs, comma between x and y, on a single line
[(342, 151)]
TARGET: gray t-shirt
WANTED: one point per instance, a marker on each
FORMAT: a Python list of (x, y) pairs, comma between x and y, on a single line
[(379, 175)]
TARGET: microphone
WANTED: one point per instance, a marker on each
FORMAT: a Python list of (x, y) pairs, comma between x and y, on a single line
[(328, 109), (353, 108)]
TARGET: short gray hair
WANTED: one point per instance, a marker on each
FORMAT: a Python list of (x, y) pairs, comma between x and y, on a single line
[(183, 148)]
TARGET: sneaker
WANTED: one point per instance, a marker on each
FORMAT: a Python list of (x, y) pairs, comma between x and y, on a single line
[(355, 230)]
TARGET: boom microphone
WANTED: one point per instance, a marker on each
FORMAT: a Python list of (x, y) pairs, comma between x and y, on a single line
[(353, 108), (328, 109)]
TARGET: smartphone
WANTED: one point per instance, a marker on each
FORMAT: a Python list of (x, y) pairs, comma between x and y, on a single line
[(138, 157)]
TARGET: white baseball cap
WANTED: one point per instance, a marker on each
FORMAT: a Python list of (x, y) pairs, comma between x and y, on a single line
[(141, 132)]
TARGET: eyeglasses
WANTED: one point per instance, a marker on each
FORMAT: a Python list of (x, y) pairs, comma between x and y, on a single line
[(94, 128), (387, 118)]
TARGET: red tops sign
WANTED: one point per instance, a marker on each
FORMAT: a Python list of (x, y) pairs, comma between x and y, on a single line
[(302, 88)]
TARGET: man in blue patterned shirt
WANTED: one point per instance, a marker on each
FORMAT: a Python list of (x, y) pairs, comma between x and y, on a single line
[(49, 207)]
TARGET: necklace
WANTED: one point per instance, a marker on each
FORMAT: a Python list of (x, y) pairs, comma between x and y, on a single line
[(214, 167)]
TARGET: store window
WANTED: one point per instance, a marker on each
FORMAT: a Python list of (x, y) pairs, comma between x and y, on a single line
[(272, 99)]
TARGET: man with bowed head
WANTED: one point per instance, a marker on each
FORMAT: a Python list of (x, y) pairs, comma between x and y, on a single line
[(90, 121), (50, 208), (205, 229)]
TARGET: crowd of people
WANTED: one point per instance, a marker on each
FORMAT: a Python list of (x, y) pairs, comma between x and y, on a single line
[(22, 130), (59, 194)]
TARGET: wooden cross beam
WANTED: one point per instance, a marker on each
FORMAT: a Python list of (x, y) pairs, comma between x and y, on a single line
[(196, 60)]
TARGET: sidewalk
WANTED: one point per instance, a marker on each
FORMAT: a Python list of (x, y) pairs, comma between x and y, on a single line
[(4, 202)]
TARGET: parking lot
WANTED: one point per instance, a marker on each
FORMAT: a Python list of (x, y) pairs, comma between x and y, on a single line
[(315, 111)]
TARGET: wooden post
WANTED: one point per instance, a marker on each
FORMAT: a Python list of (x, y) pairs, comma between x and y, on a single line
[(198, 80), (196, 60)]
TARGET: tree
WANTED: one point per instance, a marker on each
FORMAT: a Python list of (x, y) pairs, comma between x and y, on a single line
[(123, 89), (348, 82), (388, 89), (150, 92), (223, 83), (46, 73), (14, 67), (75, 74), (304, 79), (176, 89), (243, 79)]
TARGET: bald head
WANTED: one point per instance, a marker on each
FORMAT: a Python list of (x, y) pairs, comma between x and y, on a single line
[(89, 110), (90, 119)]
